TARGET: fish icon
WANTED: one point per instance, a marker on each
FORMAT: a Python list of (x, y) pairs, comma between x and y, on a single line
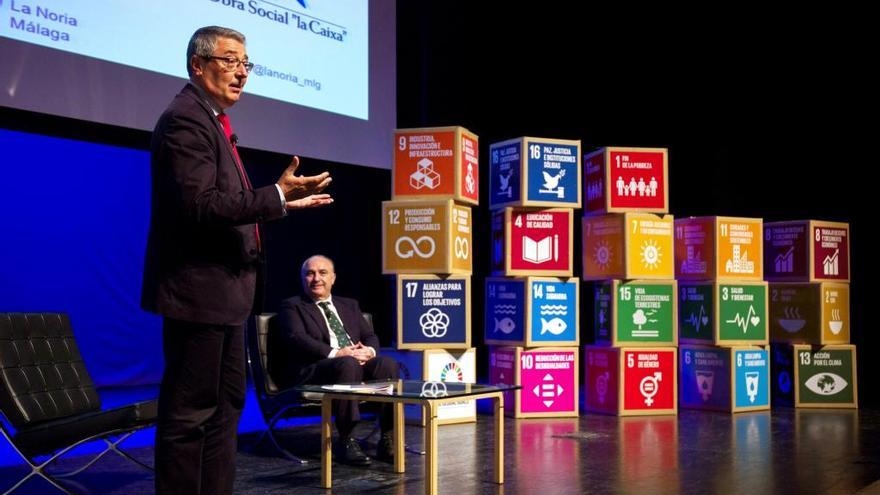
[(555, 326), (506, 325)]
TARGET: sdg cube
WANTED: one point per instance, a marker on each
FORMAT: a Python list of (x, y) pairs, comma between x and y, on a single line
[(426, 237), (635, 313), (532, 311), (532, 242), (718, 248), (436, 163), (433, 312), (631, 381), (806, 251), (814, 376), (723, 313), (809, 313), (619, 180), (731, 379), (548, 376), (628, 246), (531, 171)]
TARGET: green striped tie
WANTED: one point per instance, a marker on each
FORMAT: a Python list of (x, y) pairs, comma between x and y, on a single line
[(335, 324)]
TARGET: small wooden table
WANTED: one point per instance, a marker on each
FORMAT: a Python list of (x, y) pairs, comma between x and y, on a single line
[(430, 395)]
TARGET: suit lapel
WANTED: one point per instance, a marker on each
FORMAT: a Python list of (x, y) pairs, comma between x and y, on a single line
[(318, 322), (218, 128)]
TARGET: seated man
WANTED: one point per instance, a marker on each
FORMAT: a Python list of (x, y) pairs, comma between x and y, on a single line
[(324, 339)]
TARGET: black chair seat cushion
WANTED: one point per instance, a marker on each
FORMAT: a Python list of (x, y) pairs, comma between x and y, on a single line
[(290, 397), (49, 436)]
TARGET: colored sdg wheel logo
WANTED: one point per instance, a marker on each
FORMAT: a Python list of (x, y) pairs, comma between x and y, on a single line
[(451, 373)]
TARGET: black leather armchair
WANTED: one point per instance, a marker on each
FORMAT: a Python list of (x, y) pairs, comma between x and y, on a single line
[(48, 401), (275, 404)]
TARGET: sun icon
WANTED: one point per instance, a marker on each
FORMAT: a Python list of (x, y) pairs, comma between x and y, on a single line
[(602, 254), (650, 253)]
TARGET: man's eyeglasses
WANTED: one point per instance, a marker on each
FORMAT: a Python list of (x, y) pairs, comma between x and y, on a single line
[(231, 63)]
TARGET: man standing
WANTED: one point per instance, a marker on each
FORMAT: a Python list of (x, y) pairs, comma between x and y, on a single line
[(203, 255), (325, 339)]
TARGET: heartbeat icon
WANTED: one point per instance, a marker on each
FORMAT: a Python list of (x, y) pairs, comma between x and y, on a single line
[(751, 318)]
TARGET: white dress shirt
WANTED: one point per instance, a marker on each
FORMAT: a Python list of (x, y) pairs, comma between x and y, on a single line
[(334, 342)]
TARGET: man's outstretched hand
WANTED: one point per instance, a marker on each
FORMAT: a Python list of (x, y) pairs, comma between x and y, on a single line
[(302, 191), (312, 201)]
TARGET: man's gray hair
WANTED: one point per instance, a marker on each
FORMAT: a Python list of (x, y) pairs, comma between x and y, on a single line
[(204, 41), (302, 269)]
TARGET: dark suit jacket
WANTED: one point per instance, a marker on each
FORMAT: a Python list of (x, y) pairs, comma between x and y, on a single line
[(202, 260), (303, 338)]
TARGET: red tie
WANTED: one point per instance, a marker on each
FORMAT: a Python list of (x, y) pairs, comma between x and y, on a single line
[(227, 130)]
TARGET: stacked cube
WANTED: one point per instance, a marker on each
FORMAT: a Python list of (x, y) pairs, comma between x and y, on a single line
[(427, 239), (628, 253), (725, 363), (807, 265), (532, 302)]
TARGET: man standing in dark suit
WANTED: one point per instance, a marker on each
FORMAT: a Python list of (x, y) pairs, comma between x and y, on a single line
[(203, 255), (325, 339)]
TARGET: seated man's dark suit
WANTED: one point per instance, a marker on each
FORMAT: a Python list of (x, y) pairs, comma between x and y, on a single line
[(298, 353)]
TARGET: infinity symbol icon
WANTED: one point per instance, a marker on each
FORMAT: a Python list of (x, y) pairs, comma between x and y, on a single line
[(462, 249), (414, 247)]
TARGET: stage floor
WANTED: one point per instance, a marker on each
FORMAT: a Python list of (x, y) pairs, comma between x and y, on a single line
[(788, 451)]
